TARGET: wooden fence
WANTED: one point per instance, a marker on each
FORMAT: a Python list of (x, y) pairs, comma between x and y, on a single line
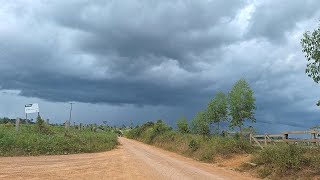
[(262, 140)]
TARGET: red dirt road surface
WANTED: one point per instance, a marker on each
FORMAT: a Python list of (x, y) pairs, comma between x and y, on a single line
[(131, 160)]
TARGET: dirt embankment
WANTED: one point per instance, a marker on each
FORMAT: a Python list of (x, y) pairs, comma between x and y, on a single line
[(131, 160)]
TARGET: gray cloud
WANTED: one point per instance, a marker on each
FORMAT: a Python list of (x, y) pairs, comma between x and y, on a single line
[(160, 53), (273, 19)]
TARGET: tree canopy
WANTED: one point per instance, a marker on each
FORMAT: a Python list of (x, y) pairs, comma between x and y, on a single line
[(218, 109), (242, 104), (311, 48), (200, 124)]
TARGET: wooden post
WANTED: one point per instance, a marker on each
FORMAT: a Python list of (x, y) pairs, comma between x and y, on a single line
[(26, 118), (250, 138), (265, 139), (314, 137), (66, 125), (257, 142), (80, 126), (285, 136), (17, 124)]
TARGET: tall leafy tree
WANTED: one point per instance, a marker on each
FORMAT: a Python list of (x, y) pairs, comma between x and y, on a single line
[(200, 125), (242, 104), (182, 124), (311, 47), (218, 109)]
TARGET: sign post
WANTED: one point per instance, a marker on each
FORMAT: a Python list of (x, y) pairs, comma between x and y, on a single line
[(31, 108)]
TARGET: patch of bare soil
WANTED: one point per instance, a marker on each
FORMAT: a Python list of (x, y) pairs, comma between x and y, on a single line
[(234, 161)]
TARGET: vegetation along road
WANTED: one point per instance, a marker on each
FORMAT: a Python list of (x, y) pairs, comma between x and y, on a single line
[(131, 160)]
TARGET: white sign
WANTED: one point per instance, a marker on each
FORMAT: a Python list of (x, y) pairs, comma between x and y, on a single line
[(31, 108)]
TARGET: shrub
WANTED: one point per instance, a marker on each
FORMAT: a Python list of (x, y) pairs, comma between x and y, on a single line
[(42, 127), (264, 172), (193, 145), (281, 158), (149, 135), (160, 127), (8, 125), (182, 124)]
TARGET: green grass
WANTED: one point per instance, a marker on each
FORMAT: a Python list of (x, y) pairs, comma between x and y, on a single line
[(29, 141)]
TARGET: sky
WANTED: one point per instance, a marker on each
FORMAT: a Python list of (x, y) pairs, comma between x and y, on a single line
[(140, 60)]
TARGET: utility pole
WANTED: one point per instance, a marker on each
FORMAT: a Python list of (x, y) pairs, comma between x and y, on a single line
[(70, 113)]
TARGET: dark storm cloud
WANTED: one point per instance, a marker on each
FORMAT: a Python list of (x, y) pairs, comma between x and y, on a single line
[(170, 53), (273, 19), (124, 39), (138, 29)]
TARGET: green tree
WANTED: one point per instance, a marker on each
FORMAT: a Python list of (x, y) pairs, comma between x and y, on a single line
[(311, 47), (218, 109), (182, 124), (242, 104), (200, 124)]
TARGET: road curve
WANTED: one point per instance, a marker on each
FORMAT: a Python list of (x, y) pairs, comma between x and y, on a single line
[(131, 160)]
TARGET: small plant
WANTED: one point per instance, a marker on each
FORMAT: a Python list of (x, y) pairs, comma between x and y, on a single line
[(182, 124), (42, 127), (264, 172), (8, 125), (193, 145)]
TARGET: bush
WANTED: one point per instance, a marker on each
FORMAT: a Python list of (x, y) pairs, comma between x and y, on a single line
[(8, 125), (42, 127), (148, 131), (149, 135), (193, 145), (182, 124)]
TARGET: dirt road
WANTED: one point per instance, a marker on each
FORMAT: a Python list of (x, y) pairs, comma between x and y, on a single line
[(131, 160)]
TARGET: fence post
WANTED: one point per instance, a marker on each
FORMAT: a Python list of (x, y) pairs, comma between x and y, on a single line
[(314, 137), (66, 125), (265, 139), (285, 137), (250, 138)]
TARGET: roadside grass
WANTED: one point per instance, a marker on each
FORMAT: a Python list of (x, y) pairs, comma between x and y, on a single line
[(203, 148), (287, 161), (281, 161), (29, 141)]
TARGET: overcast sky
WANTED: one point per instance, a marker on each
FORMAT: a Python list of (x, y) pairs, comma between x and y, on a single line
[(140, 60)]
